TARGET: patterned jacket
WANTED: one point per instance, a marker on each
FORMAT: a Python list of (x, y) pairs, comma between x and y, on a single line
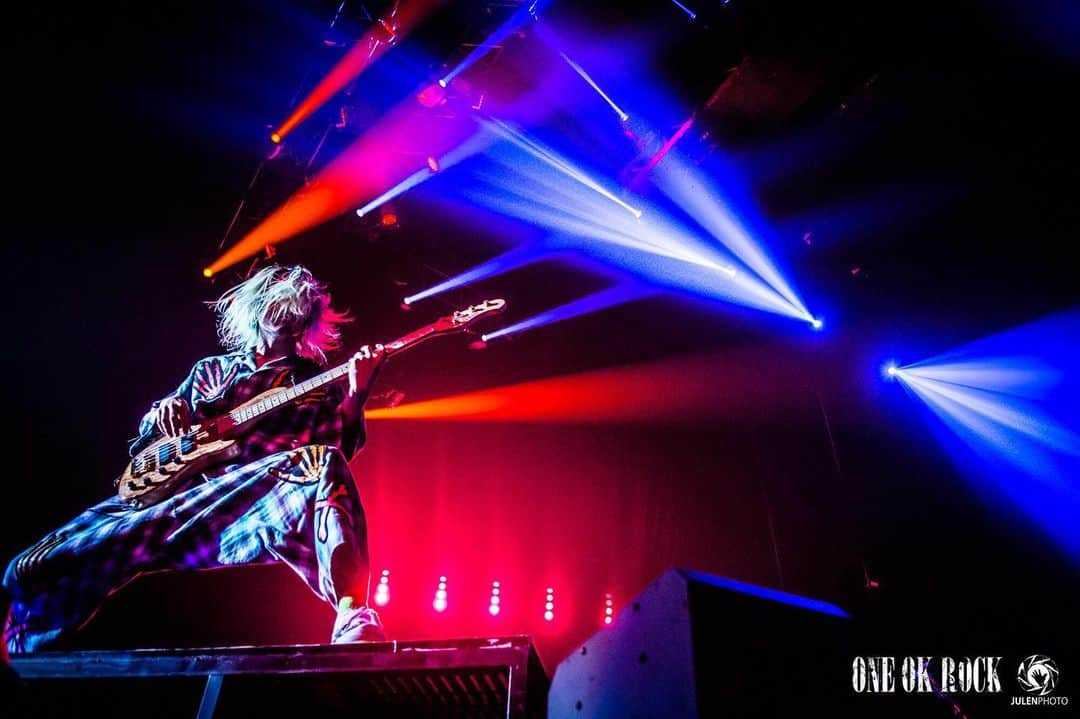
[(217, 384)]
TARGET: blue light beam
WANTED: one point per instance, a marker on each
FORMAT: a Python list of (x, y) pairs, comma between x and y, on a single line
[(620, 294), (551, 158), (701, 199), (518, 257), (528, 181), (516, 20), (1009, 407), (474, 144), (549, 38)]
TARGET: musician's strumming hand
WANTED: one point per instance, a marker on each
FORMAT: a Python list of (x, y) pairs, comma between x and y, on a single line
[(363, 366), (173, 416)]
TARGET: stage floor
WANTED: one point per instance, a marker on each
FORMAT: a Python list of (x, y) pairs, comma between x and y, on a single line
[(500, 676)]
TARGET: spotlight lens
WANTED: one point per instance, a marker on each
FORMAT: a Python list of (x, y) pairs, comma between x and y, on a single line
[(493, 609), (817, 323), (549, 615), (891, 370)]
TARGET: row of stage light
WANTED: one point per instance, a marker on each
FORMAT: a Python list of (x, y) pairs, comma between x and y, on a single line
[(441, 601), (717, 259)]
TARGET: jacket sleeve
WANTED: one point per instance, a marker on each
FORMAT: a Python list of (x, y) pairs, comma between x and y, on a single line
[(147, 429)]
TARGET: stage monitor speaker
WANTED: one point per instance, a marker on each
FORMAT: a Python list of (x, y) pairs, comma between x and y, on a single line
[(694, 645)]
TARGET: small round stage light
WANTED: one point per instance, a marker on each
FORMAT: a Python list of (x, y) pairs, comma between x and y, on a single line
[(817, 323), (493, 609), (891, 370), (442, 82), (382, 590), (549, 615), (275, 138), (433, 164), (440, 596), (207, 272)]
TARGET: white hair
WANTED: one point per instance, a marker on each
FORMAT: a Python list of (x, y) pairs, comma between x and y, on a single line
[(279, 301)]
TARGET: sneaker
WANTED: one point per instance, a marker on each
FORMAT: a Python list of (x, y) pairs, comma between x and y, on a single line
[(357, 624)]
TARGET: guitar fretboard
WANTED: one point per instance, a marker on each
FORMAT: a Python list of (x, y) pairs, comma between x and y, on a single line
[(253, 411)]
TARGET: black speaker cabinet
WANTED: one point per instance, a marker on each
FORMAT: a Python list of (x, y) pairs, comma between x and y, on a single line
[(694, 645)]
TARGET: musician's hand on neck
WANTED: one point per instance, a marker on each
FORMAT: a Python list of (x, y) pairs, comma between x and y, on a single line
[(363, 367)]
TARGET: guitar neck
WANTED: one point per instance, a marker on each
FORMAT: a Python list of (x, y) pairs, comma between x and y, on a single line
[(248, 413)]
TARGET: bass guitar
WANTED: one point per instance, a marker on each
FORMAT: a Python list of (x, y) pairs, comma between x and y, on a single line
[(168, 463)]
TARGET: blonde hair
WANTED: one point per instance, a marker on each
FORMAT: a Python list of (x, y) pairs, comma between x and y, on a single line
[(279, 301)]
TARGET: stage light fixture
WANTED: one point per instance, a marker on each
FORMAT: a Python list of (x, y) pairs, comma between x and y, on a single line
[(432, 95), (817, 323), (689, 13), (549, 605), (496, 600)]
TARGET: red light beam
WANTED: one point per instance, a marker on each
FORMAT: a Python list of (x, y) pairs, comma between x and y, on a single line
[(379, 159), (386, 31), (683, 388)]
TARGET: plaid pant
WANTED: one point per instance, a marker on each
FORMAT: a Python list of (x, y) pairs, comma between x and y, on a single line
[(299, 506)]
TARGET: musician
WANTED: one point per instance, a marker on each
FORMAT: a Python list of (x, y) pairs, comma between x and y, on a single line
[(288, 497)]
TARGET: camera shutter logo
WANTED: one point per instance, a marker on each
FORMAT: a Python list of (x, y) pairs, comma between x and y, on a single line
[(1037, 675)]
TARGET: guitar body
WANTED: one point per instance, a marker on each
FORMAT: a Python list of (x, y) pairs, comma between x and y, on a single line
[(169, 463), (145, 481)]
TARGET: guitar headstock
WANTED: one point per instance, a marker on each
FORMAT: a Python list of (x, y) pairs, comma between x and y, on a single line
[(463, 318)]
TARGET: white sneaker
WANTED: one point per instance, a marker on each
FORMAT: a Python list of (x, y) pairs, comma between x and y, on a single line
[(357, 624)]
